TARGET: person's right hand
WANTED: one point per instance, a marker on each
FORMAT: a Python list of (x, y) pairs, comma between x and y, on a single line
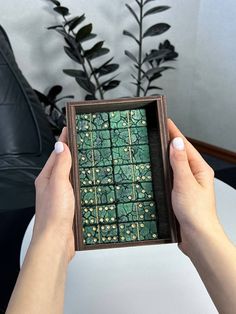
[(193, 197)]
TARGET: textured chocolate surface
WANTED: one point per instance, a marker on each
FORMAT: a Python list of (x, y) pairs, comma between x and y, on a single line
[(116, 191)]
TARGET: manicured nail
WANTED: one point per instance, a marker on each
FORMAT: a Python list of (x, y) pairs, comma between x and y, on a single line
[(178, 143), (59, 147)]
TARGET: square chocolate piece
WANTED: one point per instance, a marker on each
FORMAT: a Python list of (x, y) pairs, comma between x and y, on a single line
[(120, 173)]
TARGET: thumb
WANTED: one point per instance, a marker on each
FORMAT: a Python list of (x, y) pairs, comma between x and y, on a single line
[(62, 164), (183, 175)]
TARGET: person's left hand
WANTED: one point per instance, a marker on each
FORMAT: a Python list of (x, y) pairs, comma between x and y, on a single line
[(55, 198)]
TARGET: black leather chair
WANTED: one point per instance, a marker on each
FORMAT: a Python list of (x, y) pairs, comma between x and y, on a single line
[(26, 141), (227, 175)]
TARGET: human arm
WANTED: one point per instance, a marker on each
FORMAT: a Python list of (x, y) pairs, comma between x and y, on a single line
[(40, 285), (203, 238)]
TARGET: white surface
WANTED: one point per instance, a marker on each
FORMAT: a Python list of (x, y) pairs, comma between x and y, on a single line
[(201, 92), (138, 280)]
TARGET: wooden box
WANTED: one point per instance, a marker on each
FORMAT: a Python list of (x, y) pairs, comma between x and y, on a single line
[(120, 173)]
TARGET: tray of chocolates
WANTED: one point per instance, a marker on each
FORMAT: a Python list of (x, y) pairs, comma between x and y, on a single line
[(120, 173)]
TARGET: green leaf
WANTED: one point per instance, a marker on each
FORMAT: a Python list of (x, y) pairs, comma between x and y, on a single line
[(55, 26), (84, 32), (154, 77), (90, 97), (96, 51), (126, 33), (88, 53), (75, 73), (86, 84), (90, 36), (68, 36), (156, 70), (57, 3), (62, 32), (131, 56), (156, 29), (147, 1), (138, 3), (71, 53), (104, 64), (154, 87), (108, 80), (54, 92), (100, 52), (75, 22), (156, 55), (62, 10), (157, 10), (107, 69), (70, 40), (111, 85), (133, 13)]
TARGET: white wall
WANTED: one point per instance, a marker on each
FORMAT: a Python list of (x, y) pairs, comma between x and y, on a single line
[(200, 91), (213, 107)]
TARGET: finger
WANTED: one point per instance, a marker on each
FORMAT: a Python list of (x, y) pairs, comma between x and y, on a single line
[(182, 173), (47, 169), (62, 164), (197, 164), (175, 132), (63, 136)]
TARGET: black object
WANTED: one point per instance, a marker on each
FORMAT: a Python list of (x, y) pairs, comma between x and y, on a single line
[(227, 175), (12, 228), (26, 141), (224, 170)]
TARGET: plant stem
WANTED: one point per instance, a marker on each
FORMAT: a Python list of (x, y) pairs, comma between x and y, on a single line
[(79, 56), (140, 48), (145, 93), (94, 75), (83, 66), (90, 66)]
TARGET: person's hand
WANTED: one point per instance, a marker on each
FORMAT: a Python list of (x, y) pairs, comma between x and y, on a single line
[(193, 197), (55, 198), (41, 283)]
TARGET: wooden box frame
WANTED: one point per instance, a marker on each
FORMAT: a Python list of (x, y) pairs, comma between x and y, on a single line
[(157, 132)]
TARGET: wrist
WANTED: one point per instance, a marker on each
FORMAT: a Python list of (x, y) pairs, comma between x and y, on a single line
[(50, 242), (197, 240)]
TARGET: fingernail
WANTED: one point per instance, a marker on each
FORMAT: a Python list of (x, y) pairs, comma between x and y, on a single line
[(178, 143), (59, 147)]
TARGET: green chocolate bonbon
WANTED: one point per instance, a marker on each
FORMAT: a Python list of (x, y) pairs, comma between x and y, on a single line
[(117, 199)]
